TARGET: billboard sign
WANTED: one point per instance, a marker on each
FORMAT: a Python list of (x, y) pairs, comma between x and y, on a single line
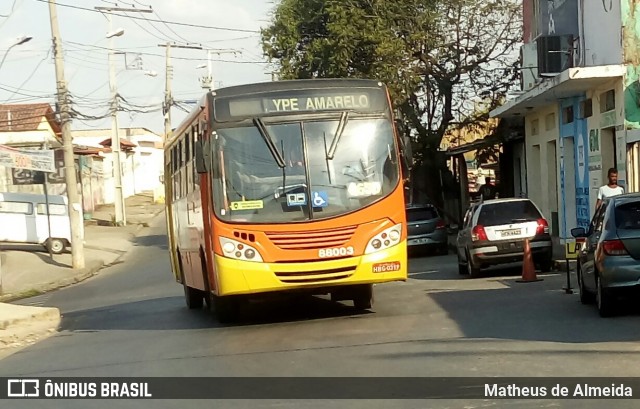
[(38, 160)]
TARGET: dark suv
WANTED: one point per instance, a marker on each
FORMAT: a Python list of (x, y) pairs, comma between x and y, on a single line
[(426, 229), (493, 232)]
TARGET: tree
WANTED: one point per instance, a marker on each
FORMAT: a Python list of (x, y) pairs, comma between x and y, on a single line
[(438, 57)]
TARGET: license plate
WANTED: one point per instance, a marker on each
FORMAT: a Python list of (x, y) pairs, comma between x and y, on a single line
[(414, 242), (510, 233)]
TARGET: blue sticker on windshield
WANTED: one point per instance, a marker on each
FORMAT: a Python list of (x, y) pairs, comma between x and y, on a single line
[(320, 199), (296, 199)]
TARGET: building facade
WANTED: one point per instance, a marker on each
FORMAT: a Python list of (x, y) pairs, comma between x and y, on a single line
[(580, 102), (141, 157), (31, 126)]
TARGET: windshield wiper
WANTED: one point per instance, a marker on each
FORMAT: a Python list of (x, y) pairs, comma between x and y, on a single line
[(269, 141), (344, 118)]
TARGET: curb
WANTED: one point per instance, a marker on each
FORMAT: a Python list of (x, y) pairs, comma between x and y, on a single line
[(561, 265), (29, 314), (92, 269), (27, 325)]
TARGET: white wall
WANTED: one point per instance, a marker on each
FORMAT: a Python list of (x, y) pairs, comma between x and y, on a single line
[(148, 161), (601, 126), (602, 32)]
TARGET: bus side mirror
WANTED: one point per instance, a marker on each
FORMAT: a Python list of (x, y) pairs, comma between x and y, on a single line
[(203, 156)]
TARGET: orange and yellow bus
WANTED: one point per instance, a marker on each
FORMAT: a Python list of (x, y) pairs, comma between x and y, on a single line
[(287, 186)]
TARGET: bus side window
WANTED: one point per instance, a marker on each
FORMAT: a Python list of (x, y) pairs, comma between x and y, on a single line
[(174, 164), (180, 166), (187, 163), (194, 171)]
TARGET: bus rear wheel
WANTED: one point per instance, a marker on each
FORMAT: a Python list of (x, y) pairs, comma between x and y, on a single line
[(192, 296), (363, 296)]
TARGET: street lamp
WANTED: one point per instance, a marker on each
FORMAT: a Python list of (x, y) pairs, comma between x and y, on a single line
[(115, 138), (18, 41), (116, 33)]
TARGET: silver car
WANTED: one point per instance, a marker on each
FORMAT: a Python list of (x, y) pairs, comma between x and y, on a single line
[(609, 256), (426, 229), (494, 231)]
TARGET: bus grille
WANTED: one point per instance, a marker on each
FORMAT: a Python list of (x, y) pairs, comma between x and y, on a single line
[(315, 276), (314, 239)]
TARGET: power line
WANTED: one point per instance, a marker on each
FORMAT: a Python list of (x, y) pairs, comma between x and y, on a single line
[(169, 27), (175, 58), (30, 76), (149, 32), (239, 30), (26, 95), (11, 12)]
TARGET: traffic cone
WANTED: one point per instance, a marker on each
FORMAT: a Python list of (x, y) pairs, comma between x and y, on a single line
[(528, 269)]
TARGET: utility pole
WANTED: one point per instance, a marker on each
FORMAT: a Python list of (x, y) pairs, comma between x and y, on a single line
[(121, 217), (75, 206), (168, 99), (207, 81)]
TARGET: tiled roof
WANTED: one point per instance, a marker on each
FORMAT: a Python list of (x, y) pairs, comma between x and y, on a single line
[(27, 117), (123, 143)]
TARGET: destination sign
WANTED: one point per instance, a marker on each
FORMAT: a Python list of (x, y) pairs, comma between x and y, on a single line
[(301, 101)]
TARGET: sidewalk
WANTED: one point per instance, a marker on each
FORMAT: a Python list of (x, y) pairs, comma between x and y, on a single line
[(29, 270)]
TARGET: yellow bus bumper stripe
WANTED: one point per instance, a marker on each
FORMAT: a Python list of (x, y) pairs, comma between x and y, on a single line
[(245, 277)]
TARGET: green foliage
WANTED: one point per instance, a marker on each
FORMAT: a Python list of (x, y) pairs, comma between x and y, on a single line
[(437, 57), (447, 63)]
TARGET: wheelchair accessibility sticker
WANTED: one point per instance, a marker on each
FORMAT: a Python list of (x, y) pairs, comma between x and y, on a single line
[(296, 199), (320, 199)]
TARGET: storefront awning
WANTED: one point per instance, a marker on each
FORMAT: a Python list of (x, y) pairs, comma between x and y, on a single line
[(569, 83), (473, 146)]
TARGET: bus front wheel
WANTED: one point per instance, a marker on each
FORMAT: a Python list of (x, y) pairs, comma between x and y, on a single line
[(363, 296), (226, 308), (193, 297)]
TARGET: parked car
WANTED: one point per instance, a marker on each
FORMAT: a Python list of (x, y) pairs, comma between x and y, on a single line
[(609, 257), (23, 217), (426, 229), (494, 231)]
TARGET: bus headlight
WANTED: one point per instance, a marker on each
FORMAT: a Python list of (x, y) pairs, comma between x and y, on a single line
[(385, 239), (240, 251)]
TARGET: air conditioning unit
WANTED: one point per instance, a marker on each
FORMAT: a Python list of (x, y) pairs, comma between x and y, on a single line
[(555, 54), (529, 60)]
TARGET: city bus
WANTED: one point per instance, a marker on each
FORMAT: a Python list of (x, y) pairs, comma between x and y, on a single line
[(287, 186)]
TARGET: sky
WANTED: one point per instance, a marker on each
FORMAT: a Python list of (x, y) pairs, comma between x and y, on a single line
[(27, 74)]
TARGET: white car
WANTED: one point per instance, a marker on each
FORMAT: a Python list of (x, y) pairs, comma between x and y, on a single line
[(493, 232)]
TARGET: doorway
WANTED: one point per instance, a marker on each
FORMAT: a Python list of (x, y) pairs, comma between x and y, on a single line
[(608, 151), (569, 154), (633, 167)]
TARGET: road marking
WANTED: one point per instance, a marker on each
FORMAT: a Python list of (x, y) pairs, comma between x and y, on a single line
[(422, 272)]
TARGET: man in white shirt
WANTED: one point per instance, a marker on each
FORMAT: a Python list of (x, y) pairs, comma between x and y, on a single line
[(612, 189)]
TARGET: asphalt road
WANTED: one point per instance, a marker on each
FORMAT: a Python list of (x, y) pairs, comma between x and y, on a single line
[(131, 320)]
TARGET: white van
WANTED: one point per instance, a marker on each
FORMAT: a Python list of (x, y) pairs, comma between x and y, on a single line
[(23, 219)]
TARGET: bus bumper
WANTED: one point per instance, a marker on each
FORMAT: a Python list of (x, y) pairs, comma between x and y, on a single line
[(245, 277)]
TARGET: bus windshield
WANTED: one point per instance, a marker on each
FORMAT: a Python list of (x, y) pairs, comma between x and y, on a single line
[(251, 186)]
